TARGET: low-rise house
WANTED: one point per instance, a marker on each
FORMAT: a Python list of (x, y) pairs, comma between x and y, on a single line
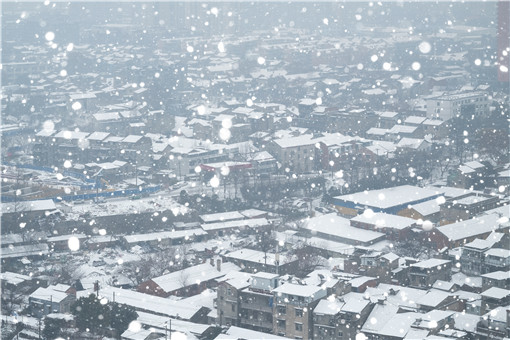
[(423, 274), (459, 233), (151, 304), (253, 261), (466, 207), (187, 282), (45, 301), (499, 279), (372, 263), (494, 297)]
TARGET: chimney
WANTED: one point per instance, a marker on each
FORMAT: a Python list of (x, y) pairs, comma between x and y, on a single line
[(218, 264), (212, 261)]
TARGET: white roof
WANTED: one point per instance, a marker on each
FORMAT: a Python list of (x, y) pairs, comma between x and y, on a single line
[(292, 142), (499, 275), (430, 263), (99, 136), (496, 293), (156, 304), (332, 224), (251, 255), (498, 252), (473, 227), (61, 238), (237, 333), (66, 134), (14, 278), (383, 220), (415, 120), (25, 250), (222, 216), (249, 213), (298, 290), (40, 205), (163, 235), (251, 223), (158, 321), (47, 294), (427, 208), (433, 298), (132, 139), (389, 197), (192, 275)]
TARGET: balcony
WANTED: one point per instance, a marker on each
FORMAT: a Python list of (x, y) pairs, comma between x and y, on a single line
[(256, 323), (257, 305)]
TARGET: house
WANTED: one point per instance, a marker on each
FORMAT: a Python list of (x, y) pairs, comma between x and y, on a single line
[(61, 242), (253, 261), (152, 304), (45, 301), (365, 261), (187, 282), (499, 279), (459, 233), (423, 274), (466, 206)]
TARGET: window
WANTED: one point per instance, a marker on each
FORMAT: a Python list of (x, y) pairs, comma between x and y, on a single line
[(233, 308), (299, 327), (280, 323), (282, 310), (299, 312), (229, 291), (340, 333)]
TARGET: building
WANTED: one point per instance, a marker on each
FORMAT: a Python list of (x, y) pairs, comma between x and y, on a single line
[(364, 261), (336, 228), (448, 106), (45, 301), (187, 282), (253, 261), (295, 153), (340, 317), (499, 279), (466, 206), (256, 302), (390, 200), (395, 227), (481, 256), (423, 274), (459, 233), (293, 307)]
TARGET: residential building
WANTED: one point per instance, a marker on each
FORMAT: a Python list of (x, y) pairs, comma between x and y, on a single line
[(423, 274), (448, 106), (340, 317), (293, 307)]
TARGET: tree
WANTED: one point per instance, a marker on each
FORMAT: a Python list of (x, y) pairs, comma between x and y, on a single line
[(53, 328), (308, 258), (90, 314), (120, 317)]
